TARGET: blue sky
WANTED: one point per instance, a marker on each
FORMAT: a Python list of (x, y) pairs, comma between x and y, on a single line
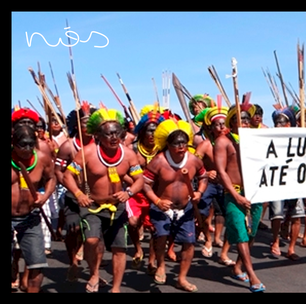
[(141, 45)]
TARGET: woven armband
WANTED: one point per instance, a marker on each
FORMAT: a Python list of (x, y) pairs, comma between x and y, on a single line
[(74, 168), (135, 170)]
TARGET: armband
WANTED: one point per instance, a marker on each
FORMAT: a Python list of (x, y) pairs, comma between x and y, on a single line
[(74, 168), (201, 172), (150, 176), (135, 170), (61, 162)]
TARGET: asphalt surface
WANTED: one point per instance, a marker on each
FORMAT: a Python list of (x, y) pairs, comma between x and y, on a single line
[(280, 275)]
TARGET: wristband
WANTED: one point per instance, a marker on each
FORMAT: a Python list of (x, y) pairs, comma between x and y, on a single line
[(78, 193), (200, 192), (157, 201)]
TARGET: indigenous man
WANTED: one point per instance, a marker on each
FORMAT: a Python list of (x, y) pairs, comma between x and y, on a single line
[(214, 194), (101, 197), (256, 120), (70, 208), (172, 209), (196, 105), (294, 207), (25, 218), (138, 205), (21, 117), (227, 160)]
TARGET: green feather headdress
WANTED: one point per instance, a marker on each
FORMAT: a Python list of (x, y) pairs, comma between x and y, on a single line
[(102, 116)]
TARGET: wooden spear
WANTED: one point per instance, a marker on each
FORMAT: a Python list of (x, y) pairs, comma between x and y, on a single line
[(213, 73), (132, 107), (179, 92), (281, 80), (236, 91)]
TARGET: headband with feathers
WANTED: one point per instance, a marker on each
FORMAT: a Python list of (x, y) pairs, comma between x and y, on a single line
[(288, 112), (102, 116), (168, 126), (205, 99), (25, 113), (215, 112), (150, 117)]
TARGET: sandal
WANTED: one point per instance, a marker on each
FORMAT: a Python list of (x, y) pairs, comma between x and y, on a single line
[(227, 262), (207, 252), (187, 287), (160, 279)]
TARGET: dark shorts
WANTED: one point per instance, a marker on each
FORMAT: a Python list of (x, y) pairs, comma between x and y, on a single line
[(113, 232), (236, 230), (31, 240), (182, 230), (72, 212), (214, 194)]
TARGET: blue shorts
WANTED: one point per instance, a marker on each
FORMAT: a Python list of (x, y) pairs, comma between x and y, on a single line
[(182, 230), (293, 208), (30, 239), (214, 194)]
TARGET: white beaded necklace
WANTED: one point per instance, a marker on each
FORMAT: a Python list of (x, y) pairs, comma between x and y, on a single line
[(106, 163), (176, 165)]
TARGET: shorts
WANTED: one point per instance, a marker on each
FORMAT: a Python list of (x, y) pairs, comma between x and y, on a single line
[(182, 230), (113, 232), (31, 239), (214, 194), (293, 208), (71, 212), (139, 206), (236, 230)]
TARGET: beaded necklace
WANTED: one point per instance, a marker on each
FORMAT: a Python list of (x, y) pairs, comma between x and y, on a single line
[(33, 160), (111, 162), (77, 143), (147, 154)]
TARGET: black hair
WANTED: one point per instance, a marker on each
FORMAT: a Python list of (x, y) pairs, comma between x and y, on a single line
[(41, 119), (175, 134), (259, 109)]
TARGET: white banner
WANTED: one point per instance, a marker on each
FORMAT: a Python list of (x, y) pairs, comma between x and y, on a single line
[(273, 163)]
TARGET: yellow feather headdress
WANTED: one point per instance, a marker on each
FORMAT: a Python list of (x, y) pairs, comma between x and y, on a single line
[(168, 126)]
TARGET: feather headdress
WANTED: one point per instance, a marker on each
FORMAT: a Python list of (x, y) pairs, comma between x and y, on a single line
[(246, 106), (200, 118), (287, 112), (168, 126), (151, 117), (102, 116), (215, 112), (148, 108), (25, 113), (205, 99)]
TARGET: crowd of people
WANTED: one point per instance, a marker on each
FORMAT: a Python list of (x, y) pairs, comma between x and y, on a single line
[(106, 178)]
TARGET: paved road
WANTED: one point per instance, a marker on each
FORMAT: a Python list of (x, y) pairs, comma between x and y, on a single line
[(278, 274)]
